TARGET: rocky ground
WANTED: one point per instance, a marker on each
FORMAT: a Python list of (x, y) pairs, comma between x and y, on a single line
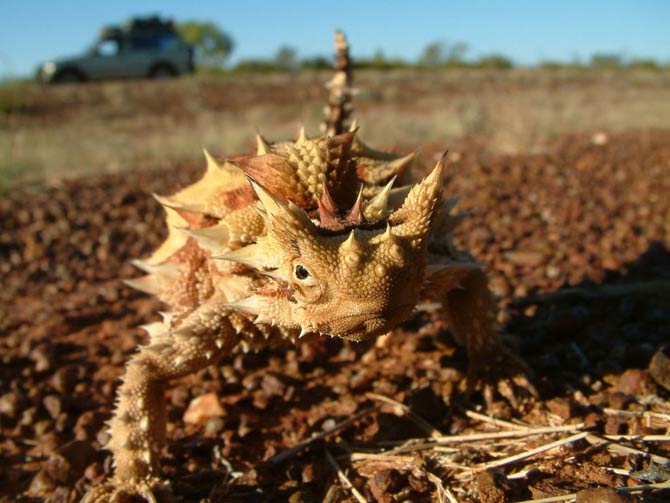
[(577, 240)]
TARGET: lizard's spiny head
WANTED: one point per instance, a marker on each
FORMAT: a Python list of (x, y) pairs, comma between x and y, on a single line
[(354, 282)]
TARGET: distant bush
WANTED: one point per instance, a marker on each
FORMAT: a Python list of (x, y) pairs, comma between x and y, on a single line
[(212, 45), (256, 65), (283, 65), (13, 95), (644, 64), (380, 62), (286, 59), (606, 60), (316, 63), (552, 65), (441, 56), (389, 64), (495, 61)]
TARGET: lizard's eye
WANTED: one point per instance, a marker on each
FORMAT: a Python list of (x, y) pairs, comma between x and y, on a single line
[(301, 273)]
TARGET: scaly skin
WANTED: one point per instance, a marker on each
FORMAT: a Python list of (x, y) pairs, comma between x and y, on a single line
[(307, 237)]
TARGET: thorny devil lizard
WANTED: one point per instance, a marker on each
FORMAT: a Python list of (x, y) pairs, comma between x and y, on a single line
[(306, 237)]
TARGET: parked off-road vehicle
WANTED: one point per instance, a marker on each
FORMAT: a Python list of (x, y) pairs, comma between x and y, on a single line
[(147, 47)]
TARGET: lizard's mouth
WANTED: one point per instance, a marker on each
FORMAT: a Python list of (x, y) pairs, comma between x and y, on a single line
[(371, 324)]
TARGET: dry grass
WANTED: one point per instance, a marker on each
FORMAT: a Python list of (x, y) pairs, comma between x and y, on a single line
[(54, 132), (528, 447)]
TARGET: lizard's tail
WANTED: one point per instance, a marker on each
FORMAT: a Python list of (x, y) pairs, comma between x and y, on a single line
[(339, 108)]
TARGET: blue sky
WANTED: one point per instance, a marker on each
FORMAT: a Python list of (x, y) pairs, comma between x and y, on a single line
[(528, 31)]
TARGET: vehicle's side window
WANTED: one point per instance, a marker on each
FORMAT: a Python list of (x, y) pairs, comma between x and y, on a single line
[(108, 47), (154, 42), (168, 41)]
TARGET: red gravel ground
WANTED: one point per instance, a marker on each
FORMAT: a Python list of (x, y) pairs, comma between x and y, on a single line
[(577, 240)]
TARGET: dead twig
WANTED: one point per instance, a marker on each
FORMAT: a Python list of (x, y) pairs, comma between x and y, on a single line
[(344, 479), (430, 443), (553, 499), (639, 438), (618, 471), (288, 453), (531, 452), (406, 411), (363, 456), (443, 493), (645, 413), (645, 487), (623, 449), (508, 434), (494, 421)]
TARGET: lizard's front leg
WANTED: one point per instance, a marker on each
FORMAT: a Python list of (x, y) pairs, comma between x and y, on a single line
[(138, 426), (471, 314)]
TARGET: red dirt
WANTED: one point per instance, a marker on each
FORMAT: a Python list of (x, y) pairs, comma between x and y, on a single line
[(585, 216)]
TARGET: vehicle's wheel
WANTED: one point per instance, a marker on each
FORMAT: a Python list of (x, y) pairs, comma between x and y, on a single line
[(68, 75), (162, 72)]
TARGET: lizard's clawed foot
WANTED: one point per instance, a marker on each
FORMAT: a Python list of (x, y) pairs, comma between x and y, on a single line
[(499, 369), (121, 491)]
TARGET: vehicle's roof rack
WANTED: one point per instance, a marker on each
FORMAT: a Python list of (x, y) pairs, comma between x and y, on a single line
[(148, 23), (151, 24)]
